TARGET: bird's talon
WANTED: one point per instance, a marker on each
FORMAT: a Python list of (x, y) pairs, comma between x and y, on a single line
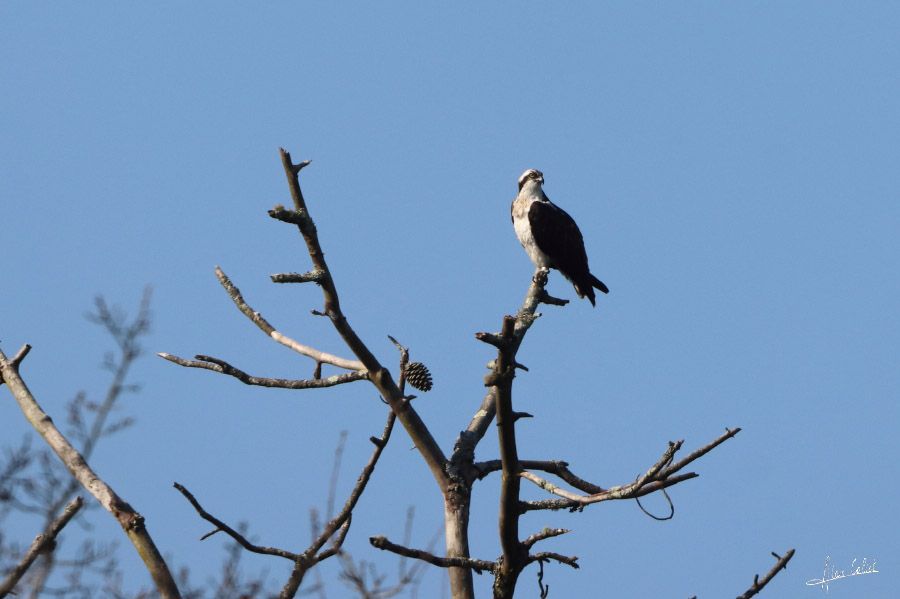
[(541, 276)]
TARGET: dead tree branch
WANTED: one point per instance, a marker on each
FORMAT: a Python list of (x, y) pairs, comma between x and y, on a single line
[(760, 583), (366, 581), (546, 533), (342, 520), (256, 318), (659, 476), (556, 467), (525, 317), (335, 530), (43, 543), (223, 367), (378, 374), (477, 565), (545, 556), (729, 433), (130, 520), (313, 276), (234, 534), (515, 552)]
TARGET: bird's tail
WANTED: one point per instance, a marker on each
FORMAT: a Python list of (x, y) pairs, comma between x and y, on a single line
[(599, 284), (585, 288)]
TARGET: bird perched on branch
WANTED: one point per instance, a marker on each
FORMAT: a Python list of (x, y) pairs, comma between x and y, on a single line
[(550, 236)]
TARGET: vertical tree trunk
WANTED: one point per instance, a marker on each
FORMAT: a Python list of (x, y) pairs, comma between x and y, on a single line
[(456, 529)]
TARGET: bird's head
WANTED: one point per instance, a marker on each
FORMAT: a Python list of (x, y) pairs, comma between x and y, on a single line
[(532, 176)]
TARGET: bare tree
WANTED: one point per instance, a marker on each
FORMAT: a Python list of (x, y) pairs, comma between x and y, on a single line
[(455, 474)]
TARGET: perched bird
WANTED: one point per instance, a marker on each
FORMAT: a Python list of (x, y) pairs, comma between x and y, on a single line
[(550, 236)]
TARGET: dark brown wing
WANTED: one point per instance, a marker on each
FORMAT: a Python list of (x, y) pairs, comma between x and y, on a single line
[(557, 235)]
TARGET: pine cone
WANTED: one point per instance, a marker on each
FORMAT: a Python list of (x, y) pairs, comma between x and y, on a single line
[(418, 377)]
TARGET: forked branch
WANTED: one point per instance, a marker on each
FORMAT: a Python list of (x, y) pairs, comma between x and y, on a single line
[(500, 379), (525, 317), (379, 376), (760, 583), (659, 476), (335, 530)]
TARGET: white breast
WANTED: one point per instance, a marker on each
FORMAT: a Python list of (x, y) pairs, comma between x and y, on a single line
[(523, 232)]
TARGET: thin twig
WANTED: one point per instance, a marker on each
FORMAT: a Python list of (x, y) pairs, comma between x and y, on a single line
[(550, 504), (671, 514), (335, 473), (477, 565), (544, 534), (548, 555), (729, 433), (241, 539), (544, 589), (313, 276), (341, 522), (43, 543), (223, 367), (20, 355), (256, 318), (557, 467)]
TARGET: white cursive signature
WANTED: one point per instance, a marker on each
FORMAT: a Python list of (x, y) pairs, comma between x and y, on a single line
[(831, 573)]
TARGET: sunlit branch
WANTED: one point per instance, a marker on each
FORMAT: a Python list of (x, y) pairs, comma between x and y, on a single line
[(256, 318)]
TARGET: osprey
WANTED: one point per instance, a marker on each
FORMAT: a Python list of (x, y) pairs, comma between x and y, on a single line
[(550, 236)]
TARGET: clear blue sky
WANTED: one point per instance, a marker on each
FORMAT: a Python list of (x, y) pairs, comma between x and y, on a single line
[(734, 171)]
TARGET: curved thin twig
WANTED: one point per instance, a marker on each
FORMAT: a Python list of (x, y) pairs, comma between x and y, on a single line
[(654, 516), (241, 539)]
